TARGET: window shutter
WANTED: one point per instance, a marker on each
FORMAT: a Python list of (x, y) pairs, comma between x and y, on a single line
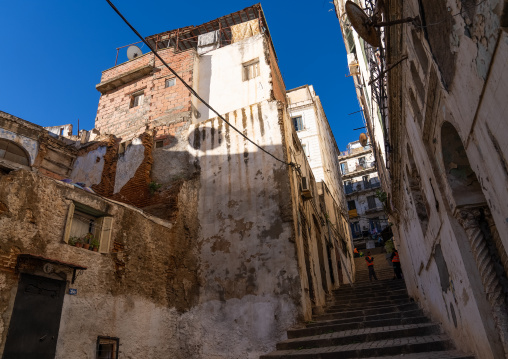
[(68, 223), (107, 229)]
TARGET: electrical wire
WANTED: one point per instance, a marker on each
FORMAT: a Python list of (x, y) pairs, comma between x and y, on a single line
[(192, 91)]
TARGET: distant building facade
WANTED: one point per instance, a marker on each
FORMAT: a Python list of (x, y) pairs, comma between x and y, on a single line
[(367, 217)]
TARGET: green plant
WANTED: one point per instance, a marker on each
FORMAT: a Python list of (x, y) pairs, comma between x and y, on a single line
[(154, 187), (88, 238), (95, 243), (73, 240), (382, 196)]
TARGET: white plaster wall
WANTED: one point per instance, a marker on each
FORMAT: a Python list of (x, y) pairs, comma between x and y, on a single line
[(87, 169), (220, 77), (251, 282), (317, 137), (128, 163), (30, 145)]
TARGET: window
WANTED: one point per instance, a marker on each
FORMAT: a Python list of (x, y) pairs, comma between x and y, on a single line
[(61, 131), (298, 123), (361, 162), (87, 226), (343, 168), (250, 69), (355, 230), (351, 205), (306, 150), (136, 99), (371, 200), (107, 348), (159, 144), (170, 82), (13, 152)]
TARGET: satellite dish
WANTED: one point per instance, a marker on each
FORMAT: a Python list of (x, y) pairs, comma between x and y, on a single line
[(363, 139), (133, 52), (366, 27), (363, 24)]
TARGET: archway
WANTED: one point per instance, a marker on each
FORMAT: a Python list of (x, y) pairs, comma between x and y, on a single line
[(473, 214), (13, 152)]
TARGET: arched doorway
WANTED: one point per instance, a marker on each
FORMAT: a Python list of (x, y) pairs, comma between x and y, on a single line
[(472, 213), (13, 152)]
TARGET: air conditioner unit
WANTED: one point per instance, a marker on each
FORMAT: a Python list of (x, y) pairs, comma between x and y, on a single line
[(306, 192)]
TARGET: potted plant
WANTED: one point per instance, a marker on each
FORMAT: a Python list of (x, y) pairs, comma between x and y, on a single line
[(73, 241), (79, 242), (95, 245), (88, 238)]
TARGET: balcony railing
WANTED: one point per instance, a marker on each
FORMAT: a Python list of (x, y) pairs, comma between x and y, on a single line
[(358, 167), (362, 185), (355, 150)]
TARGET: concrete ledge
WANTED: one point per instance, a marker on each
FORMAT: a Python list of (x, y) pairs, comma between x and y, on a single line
[(124, 78)]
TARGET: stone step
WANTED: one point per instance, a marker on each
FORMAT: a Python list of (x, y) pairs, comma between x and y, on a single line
[(370, 303), (449, 354), (402, 294), (331, 328), (359, 336), (349, 308), (379, 348), (339, 297), (366, 312), (380, 285), (368, 318)]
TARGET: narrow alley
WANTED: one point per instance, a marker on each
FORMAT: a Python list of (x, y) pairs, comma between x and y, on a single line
[(369, 320)]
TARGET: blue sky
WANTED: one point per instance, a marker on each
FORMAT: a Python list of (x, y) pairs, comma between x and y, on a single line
[(53, 53)]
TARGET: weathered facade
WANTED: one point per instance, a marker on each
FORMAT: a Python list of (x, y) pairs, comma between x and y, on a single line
[(446, 129), (362, 187), (208, 246)]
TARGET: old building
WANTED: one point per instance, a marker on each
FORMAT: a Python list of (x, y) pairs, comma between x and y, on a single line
[(367, 217), (445, 82), (208, 246)]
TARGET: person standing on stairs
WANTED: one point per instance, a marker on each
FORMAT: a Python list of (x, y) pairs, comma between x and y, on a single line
[(396, 264), (370, 264)]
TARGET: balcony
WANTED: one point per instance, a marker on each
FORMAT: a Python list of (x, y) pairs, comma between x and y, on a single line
[(355, 150), (362, 186), (359, 167)]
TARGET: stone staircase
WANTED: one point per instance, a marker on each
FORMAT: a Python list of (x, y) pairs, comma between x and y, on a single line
[(369, 320), (382, 267)]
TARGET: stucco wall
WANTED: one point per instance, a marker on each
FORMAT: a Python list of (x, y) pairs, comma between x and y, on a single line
[(221, 81), (137, 292), (438, 258), (88, 167)]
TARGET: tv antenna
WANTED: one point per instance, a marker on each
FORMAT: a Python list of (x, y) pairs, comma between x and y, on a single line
[(133, 52), (367, 27)]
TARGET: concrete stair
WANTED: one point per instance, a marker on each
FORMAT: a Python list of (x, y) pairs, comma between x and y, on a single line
[(382, 267), (368, 320)]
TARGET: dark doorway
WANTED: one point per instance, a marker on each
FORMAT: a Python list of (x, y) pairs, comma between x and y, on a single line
[(35, 321)]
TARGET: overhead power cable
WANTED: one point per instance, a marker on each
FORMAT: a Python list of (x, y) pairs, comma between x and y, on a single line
[(192, 91)]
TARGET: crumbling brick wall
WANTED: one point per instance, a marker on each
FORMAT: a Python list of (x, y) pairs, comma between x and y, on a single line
[(160, 104)]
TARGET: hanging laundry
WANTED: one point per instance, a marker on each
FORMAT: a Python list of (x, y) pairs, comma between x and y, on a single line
[(208, 42), (245, 30)]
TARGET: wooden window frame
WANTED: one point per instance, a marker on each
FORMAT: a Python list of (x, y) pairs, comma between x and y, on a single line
[(250, 69), (108, 340), (105, 223)]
